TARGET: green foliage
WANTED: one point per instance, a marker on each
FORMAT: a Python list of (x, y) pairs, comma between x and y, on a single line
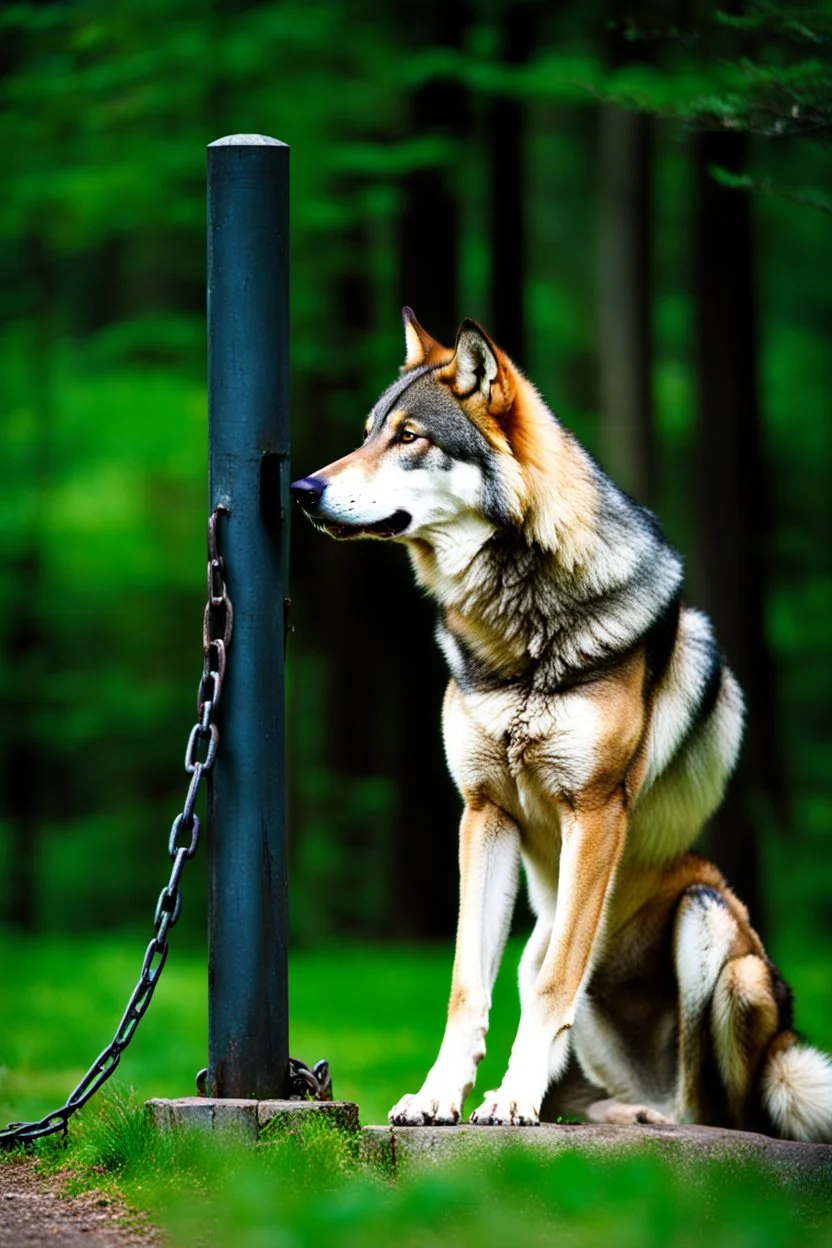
[(767, 69), (744, 182), (104, 114)]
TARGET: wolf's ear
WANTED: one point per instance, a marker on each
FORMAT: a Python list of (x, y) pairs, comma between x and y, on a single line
[(418, 344), (479, 366)]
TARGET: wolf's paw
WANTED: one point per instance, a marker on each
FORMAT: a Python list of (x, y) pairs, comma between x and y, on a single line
[(425, 1110), (500, 1111), (625, 1115)]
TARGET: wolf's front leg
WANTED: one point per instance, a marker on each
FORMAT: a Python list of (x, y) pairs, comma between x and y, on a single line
[(489, 858), (592, 842)]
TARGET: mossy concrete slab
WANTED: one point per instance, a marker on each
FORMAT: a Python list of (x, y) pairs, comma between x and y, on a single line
[(245, 1118), (342, 1114), (685, 1147)]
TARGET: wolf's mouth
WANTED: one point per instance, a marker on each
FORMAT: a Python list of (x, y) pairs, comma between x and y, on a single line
[(392, 526)]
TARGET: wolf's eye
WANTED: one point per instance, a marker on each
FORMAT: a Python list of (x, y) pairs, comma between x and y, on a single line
[(407, 435)]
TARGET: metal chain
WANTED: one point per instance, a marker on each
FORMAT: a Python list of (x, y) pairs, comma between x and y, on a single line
[(306, 1084), (182, 843)]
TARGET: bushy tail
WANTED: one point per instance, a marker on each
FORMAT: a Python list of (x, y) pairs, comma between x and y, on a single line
[(796, 1089)]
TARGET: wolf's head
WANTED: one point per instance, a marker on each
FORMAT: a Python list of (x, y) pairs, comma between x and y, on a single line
[(453, 451)]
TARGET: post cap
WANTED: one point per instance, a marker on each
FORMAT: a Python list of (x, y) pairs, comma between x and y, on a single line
[(247, 140)]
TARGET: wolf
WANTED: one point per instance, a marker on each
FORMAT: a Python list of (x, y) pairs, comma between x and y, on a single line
[(590, 725)]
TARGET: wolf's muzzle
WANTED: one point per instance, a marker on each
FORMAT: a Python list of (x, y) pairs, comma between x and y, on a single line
[(308, 492)]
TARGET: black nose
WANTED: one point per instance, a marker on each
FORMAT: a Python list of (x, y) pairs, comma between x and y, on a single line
[(307, 492)]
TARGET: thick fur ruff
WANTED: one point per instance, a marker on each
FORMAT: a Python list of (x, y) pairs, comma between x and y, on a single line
[(591, 725)]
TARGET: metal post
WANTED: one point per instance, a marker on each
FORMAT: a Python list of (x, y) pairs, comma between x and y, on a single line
[(248, 405)]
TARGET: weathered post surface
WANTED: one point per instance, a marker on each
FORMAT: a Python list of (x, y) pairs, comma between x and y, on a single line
[(248, 405)]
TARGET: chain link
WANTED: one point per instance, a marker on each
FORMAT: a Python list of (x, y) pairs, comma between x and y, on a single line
[(218, 625)]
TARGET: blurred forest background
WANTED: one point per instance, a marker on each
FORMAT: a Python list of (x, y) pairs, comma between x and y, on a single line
[(635, 201)]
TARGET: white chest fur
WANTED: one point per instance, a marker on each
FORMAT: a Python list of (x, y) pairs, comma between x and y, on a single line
[(523, 751)]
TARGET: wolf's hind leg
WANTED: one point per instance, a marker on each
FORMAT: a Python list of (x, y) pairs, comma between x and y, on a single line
[(705, 933), (727, 1010), (772, 1082), (744, 1019), (489, 862)]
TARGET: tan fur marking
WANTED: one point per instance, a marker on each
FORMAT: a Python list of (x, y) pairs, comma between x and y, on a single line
[(651, 892), (593, 842), (394, 421), (361, 456), (779, 1043), (619, 696), (423, 558), (481, 823), (556, 495), (562, 499), (748, 979), (368, 456), (744, 1019), (488, 646)]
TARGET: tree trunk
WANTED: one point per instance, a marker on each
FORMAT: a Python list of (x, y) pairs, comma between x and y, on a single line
[(733, 502), (21, 788), (624, 301), (25, 766), (424, 897), (429, 221), (507, 140), (349, 572), (336, 589)]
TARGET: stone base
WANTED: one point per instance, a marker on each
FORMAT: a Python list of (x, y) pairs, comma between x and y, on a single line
[(682, 1146), (807, 1166), (246, 1118)]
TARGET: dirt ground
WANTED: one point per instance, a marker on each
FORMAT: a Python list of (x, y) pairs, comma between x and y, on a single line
[(33, 1212)]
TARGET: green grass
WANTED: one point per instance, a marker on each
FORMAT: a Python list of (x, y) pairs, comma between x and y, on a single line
[(310, 1187), (377, 1014)]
